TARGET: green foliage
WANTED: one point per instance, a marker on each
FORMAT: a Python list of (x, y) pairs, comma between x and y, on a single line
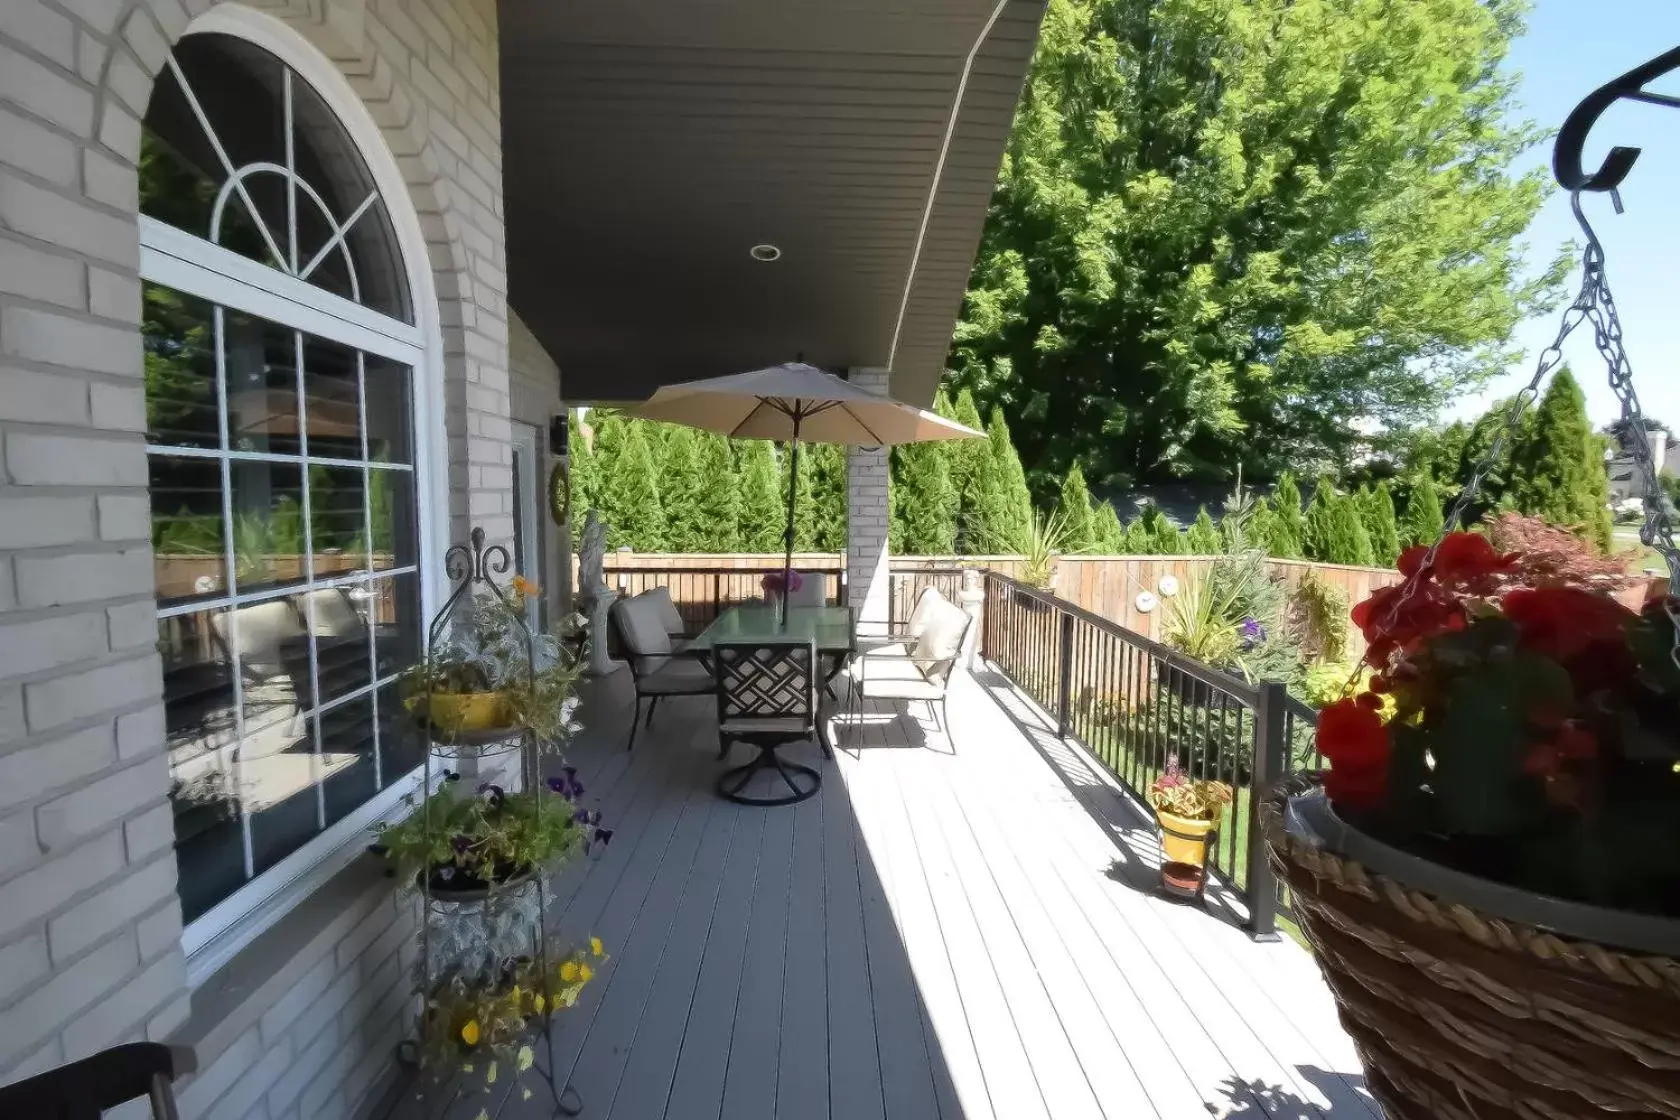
[(1317, 531), (1318, 612), (1349, 543), (804, 500), (763, 509), (1557, 465), (1003, 507), (585, 470), (1046, 542), (1224, 230), (1424, 521), (826, 463), (1377, 508), (630, 499), (1203, 538), (1203, 622), (1110, 534), (1288, 536), (719, 499), (500, 835), (924, 501), (681, 486), (1075, 507), (1140, 538)]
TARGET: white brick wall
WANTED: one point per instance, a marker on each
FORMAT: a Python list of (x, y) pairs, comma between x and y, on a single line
[(867, 520), (90, 949)]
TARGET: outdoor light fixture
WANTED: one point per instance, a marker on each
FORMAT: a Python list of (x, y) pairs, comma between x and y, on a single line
[(765, 253)]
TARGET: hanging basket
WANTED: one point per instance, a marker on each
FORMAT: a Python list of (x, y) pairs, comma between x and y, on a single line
[(1461, 1015)]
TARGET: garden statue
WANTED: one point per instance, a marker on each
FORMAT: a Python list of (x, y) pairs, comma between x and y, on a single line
[(593, 595)]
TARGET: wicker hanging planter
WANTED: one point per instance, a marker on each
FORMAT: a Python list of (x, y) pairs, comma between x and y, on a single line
[(1459, 1014)]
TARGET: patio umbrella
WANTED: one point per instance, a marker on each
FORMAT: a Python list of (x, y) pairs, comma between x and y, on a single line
[(795, 402)]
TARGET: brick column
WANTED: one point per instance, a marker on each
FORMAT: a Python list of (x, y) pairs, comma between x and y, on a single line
[(867, 520)]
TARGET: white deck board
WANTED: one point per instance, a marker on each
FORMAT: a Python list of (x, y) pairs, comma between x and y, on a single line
[(953, 929)]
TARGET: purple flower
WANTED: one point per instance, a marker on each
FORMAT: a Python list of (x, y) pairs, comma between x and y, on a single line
[(446, 873), (557, 785), (1252, 633), (603, 836), (581, 816), (461, 842)]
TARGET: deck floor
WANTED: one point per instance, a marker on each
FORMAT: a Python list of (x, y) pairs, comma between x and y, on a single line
[(944, 932)]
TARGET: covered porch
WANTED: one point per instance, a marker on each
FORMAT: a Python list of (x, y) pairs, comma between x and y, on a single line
[(958, 926)]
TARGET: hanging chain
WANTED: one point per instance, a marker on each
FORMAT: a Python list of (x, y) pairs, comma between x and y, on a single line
[(1592, 304)]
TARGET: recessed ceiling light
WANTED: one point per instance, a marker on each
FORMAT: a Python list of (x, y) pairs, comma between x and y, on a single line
[(765, 253)]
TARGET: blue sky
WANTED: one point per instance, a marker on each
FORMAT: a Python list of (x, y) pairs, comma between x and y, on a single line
[(1571, 47)]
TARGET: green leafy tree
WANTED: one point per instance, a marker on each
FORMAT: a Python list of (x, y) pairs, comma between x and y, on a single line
[(924, 502), (584, 468), (1557, 465), (1478, 444), (763, 503), (1169, 539), (1111, 535), (719, 500), (1349, 542), (1080, 528), (828, 496), (1317, 531), (1163, 287), (1263, 529), (1377, 508), (630, 499), (1203, 538), (804, 502), (1288, 539), (1139, 540), (1423, 521), (968, 465), (1004, 511), (682, 487)]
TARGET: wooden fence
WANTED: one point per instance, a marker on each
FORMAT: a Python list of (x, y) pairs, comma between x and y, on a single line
[(1104, 585)]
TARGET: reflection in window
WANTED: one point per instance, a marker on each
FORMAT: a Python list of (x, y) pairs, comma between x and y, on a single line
[(216, 161), (288, 593)]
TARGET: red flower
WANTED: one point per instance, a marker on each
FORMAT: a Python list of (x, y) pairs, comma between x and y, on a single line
[(1583, 631), (1461, 559), (1401, 616), (1355, 740)]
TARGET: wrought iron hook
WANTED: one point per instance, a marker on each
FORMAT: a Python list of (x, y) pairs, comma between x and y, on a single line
[(1572, 137)]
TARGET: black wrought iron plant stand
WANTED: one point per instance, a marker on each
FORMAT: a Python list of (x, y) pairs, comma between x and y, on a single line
[(485, 918)]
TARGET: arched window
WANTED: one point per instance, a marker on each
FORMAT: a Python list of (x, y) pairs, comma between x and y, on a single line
[(280, 356)]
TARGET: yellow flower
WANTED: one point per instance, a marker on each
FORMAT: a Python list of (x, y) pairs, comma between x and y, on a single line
[(526, 1057), (569, 972), (490, 1074), (469, 1033), (525, 587), (595, 945), (584, 973), (538, 1003)]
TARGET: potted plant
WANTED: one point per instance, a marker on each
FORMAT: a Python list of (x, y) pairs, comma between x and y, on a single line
[(462, 847), (492, 672), (1187, 810), (1491, 865), (480, 1026)]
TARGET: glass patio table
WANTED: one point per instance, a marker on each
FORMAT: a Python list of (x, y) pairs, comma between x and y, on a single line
[(829, 628)]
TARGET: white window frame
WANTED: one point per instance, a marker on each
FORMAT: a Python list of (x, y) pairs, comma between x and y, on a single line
[(194, 266)]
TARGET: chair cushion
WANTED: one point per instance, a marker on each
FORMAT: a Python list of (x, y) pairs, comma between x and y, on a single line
[(896, 678), (669, 616), (940, 639), (766, 725), (925, 603), (678, 675), (643, 628)]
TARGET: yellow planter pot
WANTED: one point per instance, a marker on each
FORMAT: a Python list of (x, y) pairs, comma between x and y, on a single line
[(467, 711), (1182, 839)]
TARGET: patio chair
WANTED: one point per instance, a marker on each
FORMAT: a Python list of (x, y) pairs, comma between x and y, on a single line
[(86, 1089), (648, 648), (767, 697), (915, 662), (669, 616)]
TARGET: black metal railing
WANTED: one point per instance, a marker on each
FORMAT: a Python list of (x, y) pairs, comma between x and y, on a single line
[(905, 583), (1133, 703)]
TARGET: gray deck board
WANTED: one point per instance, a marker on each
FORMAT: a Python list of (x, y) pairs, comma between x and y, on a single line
[(953, 929)]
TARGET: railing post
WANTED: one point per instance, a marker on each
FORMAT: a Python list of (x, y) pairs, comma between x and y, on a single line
[(1271, 752), (1064, 675)]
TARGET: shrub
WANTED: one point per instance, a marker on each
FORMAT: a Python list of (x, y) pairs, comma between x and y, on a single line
[(1318, 611)]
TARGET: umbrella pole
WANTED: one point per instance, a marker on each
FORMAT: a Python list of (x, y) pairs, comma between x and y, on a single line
[(793, 494)]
